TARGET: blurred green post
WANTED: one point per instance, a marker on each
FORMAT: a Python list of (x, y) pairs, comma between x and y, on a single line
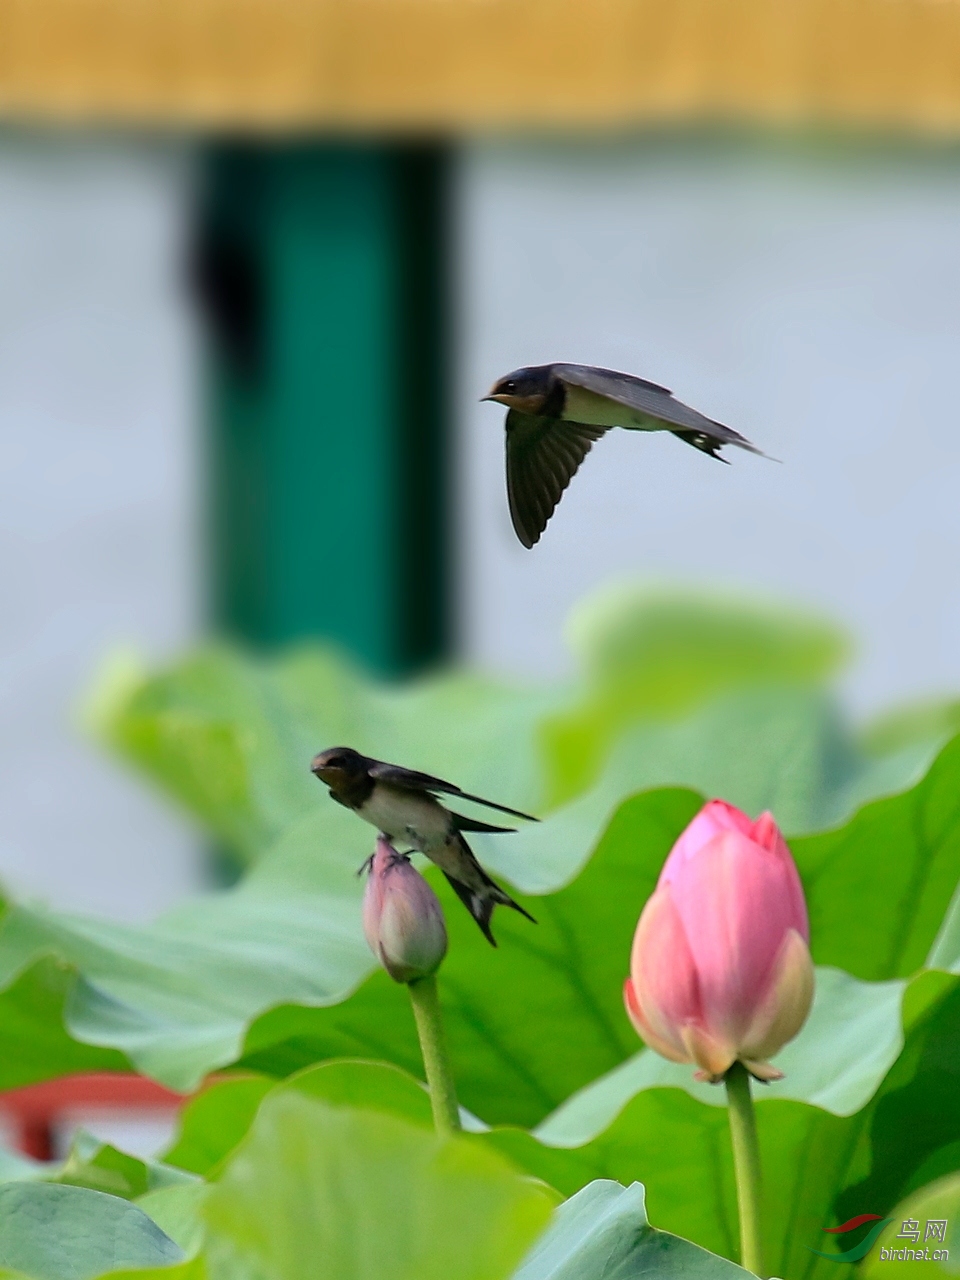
[(323, 270)]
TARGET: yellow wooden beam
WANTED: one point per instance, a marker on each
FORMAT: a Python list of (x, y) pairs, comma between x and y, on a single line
[(479, 64)]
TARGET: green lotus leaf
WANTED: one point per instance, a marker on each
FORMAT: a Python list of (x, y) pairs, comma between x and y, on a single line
[(373, 1196), (55, 1232), (651, 653), (602, 1233)]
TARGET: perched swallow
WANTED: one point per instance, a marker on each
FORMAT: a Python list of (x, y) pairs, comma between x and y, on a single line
[(402, 804), (557, 411)]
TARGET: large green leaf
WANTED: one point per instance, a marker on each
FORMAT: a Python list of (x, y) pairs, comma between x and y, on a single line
[(879, 887), (216, 1122), (602, 1233), (370, 1086), (652, 652), (213, 1123), (374, 1197), (70, 1233)]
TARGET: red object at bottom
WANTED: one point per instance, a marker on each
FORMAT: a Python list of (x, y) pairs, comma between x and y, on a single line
[(35, 1111)]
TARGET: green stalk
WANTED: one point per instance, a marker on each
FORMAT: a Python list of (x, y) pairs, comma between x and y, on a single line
[(746, 1164), (436, 1059)]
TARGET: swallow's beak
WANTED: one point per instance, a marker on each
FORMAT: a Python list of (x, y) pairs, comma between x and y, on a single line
[(492, 395)]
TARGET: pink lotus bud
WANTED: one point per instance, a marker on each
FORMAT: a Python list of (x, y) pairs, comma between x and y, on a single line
[(720, 968), (402, 917)]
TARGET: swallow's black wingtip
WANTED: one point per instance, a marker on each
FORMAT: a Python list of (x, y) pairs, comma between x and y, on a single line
[(492, 804), (526, 540), (518, 813), (527, 537), (527, 817)]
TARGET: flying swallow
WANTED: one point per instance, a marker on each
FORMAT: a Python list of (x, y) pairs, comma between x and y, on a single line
[(402, 804), (555, 412)]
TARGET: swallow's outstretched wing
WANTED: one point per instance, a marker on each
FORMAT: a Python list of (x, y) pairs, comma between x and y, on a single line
[(394, 775), (655, 402), (543, 455)]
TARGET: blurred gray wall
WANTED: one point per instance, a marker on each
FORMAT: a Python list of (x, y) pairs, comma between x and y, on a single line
[(809, 297), (97, 506)]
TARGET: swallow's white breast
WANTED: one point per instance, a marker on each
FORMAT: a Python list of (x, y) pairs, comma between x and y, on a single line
[(406, 816), (600, 411)]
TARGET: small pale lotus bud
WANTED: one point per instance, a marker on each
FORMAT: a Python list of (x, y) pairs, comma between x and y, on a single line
[(402, 917), (720, 969)]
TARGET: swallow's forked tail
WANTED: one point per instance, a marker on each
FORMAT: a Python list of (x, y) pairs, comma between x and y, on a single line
[(712, 443), (481, 901)]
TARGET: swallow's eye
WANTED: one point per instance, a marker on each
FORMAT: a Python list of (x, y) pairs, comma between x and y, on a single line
[(509, 388)]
